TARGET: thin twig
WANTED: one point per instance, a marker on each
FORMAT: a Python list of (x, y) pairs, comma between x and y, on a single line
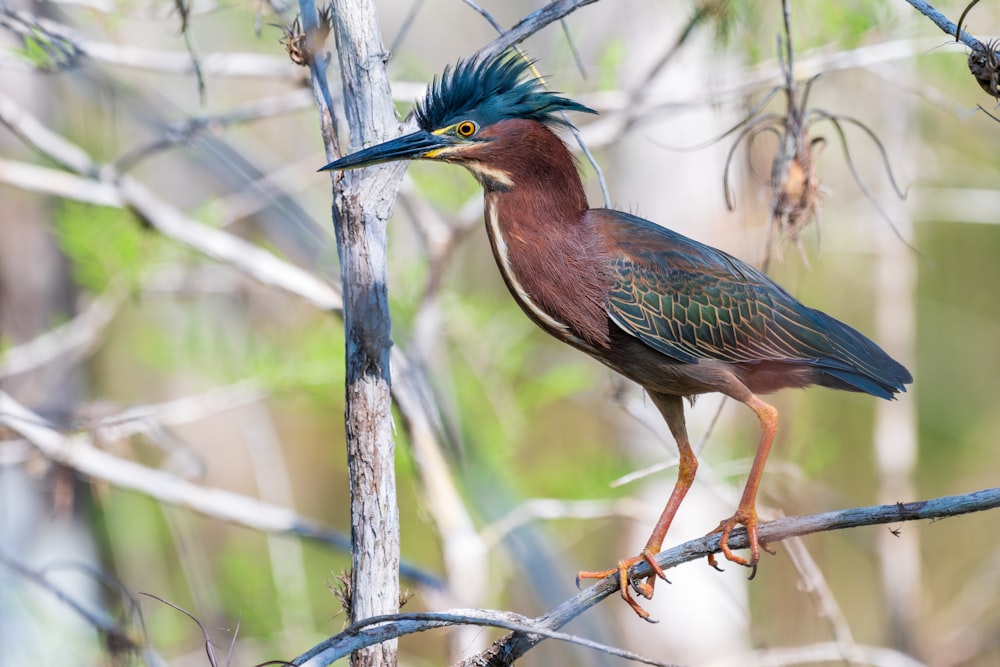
[(192, 47)]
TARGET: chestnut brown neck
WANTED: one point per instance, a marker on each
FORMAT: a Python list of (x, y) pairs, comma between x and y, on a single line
[(526, 159), (548, 256)]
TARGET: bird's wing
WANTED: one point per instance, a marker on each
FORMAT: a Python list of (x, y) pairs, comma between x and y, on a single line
[(690, 302)]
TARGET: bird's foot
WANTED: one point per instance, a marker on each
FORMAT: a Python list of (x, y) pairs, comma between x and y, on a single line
[(745, 517), (625, 583)]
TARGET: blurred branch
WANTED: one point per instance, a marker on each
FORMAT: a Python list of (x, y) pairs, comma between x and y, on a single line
[(73, 45), (184, 131), (115, 636), (79, 453), (74, 338), (127, 192), (144, 9), (141, 419), (813, 582), (184, 10), (536, 509), (622, 110), (820, 653), (381, 628)]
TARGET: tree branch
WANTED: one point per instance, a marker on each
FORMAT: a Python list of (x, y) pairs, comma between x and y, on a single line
[(505, 651), (942, 21), (378, 629)]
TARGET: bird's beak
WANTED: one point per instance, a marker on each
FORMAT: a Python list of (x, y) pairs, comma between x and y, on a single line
[(408, 147)]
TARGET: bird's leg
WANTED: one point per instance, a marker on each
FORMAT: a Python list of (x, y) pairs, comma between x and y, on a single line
[(746, 512), (672, 409)]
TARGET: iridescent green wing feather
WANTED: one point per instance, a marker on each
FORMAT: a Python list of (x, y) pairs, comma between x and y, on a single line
[(691, 301), (697, 315)]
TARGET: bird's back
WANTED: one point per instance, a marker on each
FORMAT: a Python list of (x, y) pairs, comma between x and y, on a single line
[(700, 306)]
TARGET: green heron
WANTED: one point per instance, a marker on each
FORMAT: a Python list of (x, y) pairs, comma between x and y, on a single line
[(676, 316)]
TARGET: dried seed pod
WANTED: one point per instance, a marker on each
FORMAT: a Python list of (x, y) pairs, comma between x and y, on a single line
[(984, 63), (294, 42), (797, 197)]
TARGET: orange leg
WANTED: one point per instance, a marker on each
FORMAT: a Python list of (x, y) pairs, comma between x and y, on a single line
[(672, 409), (746, 512)]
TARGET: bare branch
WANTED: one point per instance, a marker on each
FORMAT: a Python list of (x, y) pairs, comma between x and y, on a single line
[(532, 23), (506, 650), (362, 634), (362, 203), (942, 21)]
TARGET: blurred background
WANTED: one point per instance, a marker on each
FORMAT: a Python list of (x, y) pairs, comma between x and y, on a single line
[(168, 317)]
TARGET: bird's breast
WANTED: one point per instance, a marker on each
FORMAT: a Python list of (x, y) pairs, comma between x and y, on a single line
[(517, 283), (552, 275)]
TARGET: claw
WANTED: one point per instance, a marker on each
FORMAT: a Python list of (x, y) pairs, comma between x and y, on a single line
[(714, 563), (748, 518), (625, 583)]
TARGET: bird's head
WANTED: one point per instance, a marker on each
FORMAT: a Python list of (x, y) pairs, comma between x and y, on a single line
[(465, 109)]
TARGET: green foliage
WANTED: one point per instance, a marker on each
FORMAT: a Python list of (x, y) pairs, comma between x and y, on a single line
[(443, 185), (107, 245), (509, 379), (246, 589), (36, 51), (609, 66), (44, 51), (745, 24), (224, 345), (957, 388)]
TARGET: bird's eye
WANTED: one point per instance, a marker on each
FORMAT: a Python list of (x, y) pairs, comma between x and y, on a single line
[(466, 128)]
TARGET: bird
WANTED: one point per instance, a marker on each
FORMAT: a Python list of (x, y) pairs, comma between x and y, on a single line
[(676, 316)]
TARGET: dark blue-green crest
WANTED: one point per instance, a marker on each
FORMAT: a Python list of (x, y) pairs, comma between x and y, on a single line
[(490, 90)]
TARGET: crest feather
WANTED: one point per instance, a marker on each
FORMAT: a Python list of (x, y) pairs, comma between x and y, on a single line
[(492, 89)]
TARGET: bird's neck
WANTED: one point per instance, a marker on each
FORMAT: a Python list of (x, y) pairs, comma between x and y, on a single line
[(531, 170), (535, 218)]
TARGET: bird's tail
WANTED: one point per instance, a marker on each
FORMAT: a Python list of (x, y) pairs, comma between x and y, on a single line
[(861, 365)]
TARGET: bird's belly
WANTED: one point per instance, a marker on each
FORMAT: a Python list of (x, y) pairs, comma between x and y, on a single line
[(658, 372)]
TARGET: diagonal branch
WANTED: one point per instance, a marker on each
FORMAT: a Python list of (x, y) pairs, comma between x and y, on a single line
[(508, 649), (943, 22), (531, 631), (380, 628)]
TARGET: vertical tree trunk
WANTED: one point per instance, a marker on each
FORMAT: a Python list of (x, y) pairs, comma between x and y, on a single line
[(363, 202)]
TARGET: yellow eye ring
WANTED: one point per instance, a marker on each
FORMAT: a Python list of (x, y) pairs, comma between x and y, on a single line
[(466, 129)]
